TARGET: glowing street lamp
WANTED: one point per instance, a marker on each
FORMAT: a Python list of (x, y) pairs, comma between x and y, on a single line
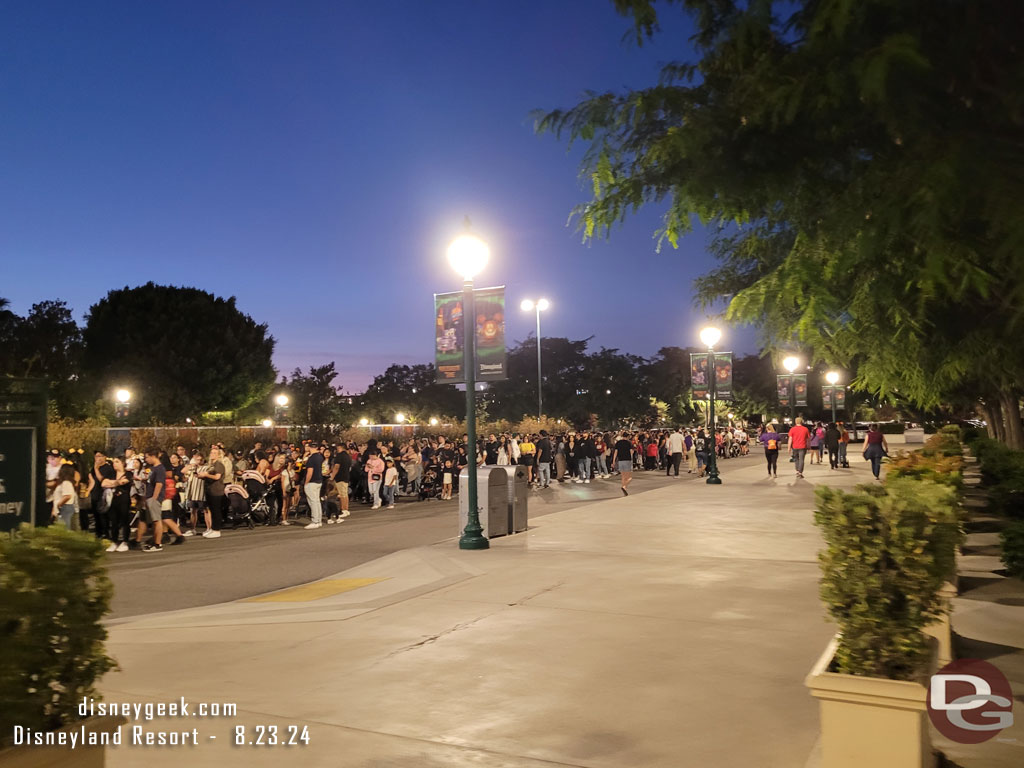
[(468, 255), (267, 423), (122, 400), (433, 421), (791, 363), (282, 400), (709, 337), (540, 305), (400, 418), (363, 422), (281, 406)]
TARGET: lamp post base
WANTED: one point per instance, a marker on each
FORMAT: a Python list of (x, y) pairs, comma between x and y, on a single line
[(714, 479), (473, 541)]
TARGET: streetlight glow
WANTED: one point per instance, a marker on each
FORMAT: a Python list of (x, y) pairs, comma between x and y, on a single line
[(791, 363), (710, 336), (433, 421), (364, 421), (400, 418), (832, 377), (282, 400), (527, 305), (123, 395), (267, 423), (543, 304), (468, 255)]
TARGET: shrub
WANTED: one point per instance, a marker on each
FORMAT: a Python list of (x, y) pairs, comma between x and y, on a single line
[(925, 466), (1012, 539), (888, 551), (54, 592)]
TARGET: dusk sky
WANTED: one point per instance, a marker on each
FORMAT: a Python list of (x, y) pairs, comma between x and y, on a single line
[(314, 159)]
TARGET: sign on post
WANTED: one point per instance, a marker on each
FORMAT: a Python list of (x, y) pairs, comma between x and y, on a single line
[(800, 389), (18, 472), (449, 335)]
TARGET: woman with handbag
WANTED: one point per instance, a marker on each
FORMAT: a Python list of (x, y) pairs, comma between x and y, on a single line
[(875, 447), (374, 476)]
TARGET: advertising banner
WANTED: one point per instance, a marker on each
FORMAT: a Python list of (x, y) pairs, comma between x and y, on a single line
[(699, 381), (800, 389), (723, 375), (826, 396), (840, 398), (489, 308), (783, 384), (449, 344), (449, 335)]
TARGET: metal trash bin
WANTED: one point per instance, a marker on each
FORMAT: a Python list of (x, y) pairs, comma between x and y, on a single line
[(518, 496), (492, 500)]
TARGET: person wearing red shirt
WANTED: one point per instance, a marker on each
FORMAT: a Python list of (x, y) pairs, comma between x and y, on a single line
[(799, 437)]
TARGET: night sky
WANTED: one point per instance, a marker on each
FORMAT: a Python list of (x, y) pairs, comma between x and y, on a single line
[(315, 158)]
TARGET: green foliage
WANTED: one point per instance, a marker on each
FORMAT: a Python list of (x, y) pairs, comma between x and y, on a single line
[(413, 390), (922, 466), (54, 592), (858, 163), (46, 343), (315, 398), (181, 351), (888, 550), (1012, 539), (1002, 472), (88, 434)]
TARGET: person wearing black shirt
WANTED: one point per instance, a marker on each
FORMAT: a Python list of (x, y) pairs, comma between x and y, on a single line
[(341, 467), (491, 451), (543, 460), (623, 457), (314, 478), (101, 471), (155, 484)]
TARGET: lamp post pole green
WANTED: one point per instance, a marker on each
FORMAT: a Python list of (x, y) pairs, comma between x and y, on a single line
[(709, 337)]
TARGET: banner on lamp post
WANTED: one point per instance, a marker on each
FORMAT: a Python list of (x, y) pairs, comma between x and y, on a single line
[(800, 390), (699, 382), (723, 375), (827, 391), (783, 382), (449, 336), (840, 397)]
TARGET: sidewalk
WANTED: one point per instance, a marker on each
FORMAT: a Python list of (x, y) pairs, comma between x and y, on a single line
[(669, 629)]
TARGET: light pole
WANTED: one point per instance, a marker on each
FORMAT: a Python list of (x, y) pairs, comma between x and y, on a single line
[(282, 406), (832, 377), (709, 337), (540, 305), (791, 363), (468, 255), (123, 398)]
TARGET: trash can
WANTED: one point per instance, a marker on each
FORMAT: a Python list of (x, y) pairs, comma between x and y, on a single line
[(491, 497), (518, 494)]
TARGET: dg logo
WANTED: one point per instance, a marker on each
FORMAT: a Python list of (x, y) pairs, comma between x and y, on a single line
[(970, 701)]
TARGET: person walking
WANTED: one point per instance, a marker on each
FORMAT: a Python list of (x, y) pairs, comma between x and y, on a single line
[(875, 448), (770, 440), (65, 496), (813, 444), (375, 469), (844, 442), (691, 454), (622, 457), (799, 439), (675, 446), (832, 444)]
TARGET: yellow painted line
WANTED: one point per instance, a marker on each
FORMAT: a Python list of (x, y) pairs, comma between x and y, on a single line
[(315, 591)]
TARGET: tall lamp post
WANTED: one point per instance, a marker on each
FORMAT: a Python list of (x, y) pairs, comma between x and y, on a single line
[(791, 363), (832, 377), (468, 255), (709, 337), (282, 406), (123, 399), (540, 305)]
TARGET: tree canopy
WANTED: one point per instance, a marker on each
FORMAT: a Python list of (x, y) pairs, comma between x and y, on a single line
[(859, 163), (180, 351)]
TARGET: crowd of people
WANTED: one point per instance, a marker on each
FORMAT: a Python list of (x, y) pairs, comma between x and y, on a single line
[(139, 500), (813, 440)]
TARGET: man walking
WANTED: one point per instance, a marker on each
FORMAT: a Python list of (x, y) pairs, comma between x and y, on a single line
[(622, 457), (675, 452), (799, 437), (314, 471)]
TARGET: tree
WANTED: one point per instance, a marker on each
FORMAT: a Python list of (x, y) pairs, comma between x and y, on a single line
[(315, 399), (45, 344), (413, 390), (180, 351), (859, 165)]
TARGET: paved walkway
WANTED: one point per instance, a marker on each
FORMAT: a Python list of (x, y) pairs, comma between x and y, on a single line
[(673, 629)]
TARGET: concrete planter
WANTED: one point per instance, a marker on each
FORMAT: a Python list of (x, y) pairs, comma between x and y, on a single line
[(870, 721), (942, 630), (64, 756)]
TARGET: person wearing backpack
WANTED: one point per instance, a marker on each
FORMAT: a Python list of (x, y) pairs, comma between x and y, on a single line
[(770, 440)]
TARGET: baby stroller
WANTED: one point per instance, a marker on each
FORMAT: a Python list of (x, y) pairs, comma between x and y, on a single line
[(239, 509), (430, 483), (258, 490)]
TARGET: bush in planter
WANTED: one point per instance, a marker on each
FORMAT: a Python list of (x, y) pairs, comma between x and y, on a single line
[(54, 591), (925, 466), (888, 551), (1012, 539)]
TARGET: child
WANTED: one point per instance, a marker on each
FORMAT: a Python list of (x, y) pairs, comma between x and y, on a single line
[(446, 480), (390, 483)]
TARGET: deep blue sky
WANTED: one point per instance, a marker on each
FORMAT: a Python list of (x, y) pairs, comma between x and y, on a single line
[(315, 158)]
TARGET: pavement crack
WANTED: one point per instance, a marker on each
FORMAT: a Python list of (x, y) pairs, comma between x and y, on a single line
[(537, 594), (434, 638)]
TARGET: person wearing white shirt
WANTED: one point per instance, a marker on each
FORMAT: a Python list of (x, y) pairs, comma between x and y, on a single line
[(675, 450)]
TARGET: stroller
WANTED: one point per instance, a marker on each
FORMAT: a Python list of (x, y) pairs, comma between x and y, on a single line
[(430, 483), (239, 509), (258, 490)]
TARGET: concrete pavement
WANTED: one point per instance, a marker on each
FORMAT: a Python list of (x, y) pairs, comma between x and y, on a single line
[(672, 628)]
